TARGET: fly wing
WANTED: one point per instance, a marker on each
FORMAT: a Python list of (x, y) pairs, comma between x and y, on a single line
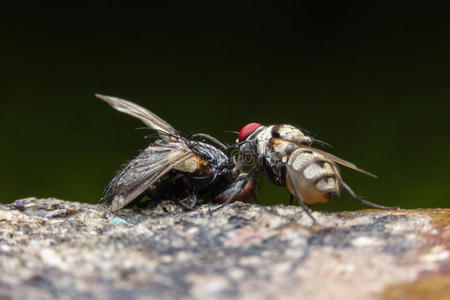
[(164, 129), (143, 171), (339, 160)]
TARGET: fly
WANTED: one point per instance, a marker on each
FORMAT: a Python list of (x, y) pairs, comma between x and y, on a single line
[(175, 167), (284, 153)]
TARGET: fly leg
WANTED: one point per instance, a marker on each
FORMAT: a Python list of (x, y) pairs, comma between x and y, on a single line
[(359, 200), (250, 176), (181, 203), (211, 139), (291, 199), (297, 195), (192, 202), (234, 146)]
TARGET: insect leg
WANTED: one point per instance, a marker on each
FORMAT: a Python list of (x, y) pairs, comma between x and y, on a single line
[(210, 138), (193, 201), (181, 203), (359, 200), (187, 203), (237, 145), (250, 175), (291, 199), (297, 195)]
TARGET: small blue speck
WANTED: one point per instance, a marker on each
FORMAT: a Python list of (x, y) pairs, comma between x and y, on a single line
[(119, 221)]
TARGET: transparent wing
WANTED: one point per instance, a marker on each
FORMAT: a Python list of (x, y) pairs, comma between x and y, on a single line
[(339, 160), (143, 171), (143, 114)]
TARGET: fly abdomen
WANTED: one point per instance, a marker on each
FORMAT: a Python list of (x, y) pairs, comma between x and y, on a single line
[(315, 178), (327, 183)]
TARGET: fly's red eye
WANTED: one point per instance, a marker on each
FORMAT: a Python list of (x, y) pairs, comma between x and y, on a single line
[(247, 130)]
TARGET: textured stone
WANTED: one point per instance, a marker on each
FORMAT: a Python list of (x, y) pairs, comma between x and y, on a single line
[(53, 249)]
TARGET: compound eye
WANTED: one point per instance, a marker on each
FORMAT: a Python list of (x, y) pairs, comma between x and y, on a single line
[(247, 130)]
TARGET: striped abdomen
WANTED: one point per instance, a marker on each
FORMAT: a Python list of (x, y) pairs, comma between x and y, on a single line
[(315, 178)]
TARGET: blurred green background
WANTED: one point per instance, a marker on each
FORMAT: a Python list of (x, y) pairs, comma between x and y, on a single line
[(370, 79)]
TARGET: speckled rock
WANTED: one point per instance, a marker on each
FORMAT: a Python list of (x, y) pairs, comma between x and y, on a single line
[(53, 249)]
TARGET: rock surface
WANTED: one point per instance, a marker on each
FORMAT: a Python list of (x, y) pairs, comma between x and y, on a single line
[(53, 249)]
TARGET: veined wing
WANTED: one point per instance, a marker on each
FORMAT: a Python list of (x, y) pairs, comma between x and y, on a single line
[(143, 171), (339, 160), (143, 114)]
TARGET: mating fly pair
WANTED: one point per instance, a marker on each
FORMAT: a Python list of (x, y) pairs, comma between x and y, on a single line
[(183, 168), (175, 167)]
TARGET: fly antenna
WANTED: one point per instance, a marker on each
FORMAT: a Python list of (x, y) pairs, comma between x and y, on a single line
[(322, 143), (231, 131)]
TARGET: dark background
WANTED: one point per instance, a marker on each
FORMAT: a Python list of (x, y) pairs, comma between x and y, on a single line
[(370, 79)]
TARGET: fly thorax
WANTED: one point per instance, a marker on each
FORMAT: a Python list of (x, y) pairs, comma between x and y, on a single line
[(275, 166), (216, 158), (283, 148), (275, 169), (291, 134), (262, 139)]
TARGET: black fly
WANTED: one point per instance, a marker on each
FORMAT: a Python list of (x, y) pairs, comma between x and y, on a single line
[(175, 167)]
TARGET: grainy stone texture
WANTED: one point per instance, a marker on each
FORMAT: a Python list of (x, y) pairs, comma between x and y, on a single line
[(53, 249)]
